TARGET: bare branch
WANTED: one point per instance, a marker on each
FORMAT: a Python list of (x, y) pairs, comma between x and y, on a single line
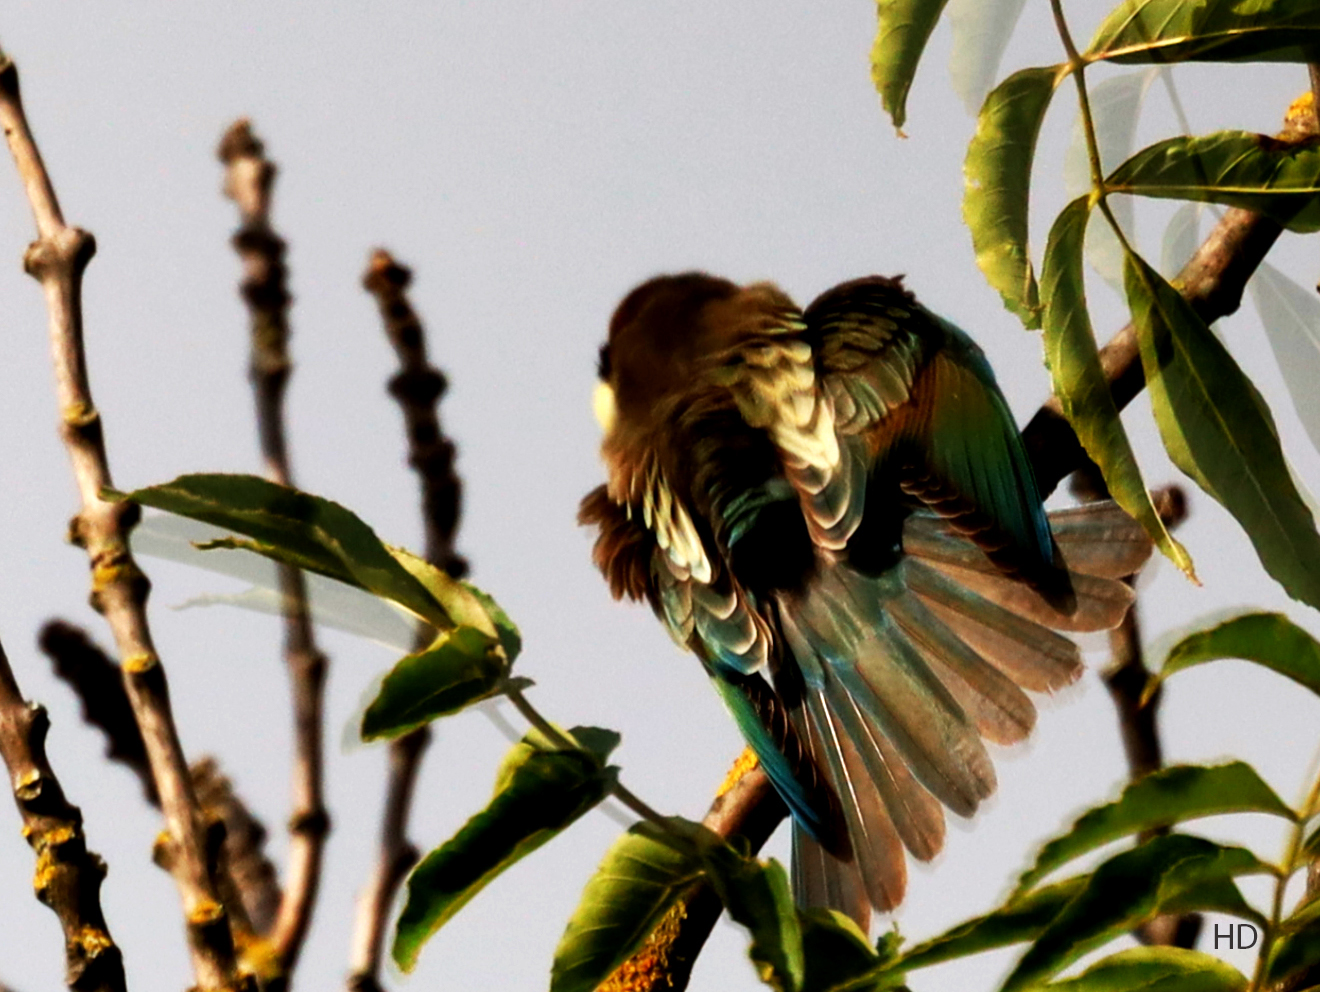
[(57, 260), (418, 387), (68, 877), (249, 177)]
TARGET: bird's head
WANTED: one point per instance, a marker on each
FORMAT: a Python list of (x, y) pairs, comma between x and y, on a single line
[(664, 335)]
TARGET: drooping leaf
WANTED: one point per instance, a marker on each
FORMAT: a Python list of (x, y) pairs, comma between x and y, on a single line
[(1115, 109), (758, 897), (901, 35), (461, 600), (1017, 920), (642, 876), (1236, 168), (1292, 952), (1268, 639), (298, 528), (981, 30), (1182, 237), (1156, 969), (460, 667), (1129, 889), (998, 180), (1145, 31), (1161, 799), (1291, 315), (539, 791), (1079, 380), (835, 948), (1218, 430)]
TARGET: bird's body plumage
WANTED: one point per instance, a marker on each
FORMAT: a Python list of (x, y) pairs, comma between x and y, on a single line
[(837, 500)]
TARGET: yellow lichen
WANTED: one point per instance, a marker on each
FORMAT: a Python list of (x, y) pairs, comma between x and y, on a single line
[(139, 663), (205, 912), (648, 968), (93, 940), (744, 764)]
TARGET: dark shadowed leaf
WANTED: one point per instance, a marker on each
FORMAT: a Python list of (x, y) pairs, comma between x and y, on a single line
[(835, 948), (981, 30), (998, 174), (297, 528), (1161, 799), (757, 895), (1217, 429), (1156, 969), (900, 38), (1018, 920), (459, 668), (1294, 951), (1291, 315), (1129, 889), (1268, 639), (1236, 168), (643, 875), (1215, 31), (538, 792), (1080, 383)]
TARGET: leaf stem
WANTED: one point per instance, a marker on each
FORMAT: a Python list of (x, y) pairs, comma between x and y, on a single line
[(1288, 867), (1077, 67)]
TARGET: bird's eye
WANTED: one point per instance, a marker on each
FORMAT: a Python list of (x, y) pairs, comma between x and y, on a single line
[(603, 362)]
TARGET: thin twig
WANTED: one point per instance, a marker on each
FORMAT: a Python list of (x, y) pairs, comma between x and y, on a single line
[(418, 387), (57, 260), (249, 176), (68, 877)]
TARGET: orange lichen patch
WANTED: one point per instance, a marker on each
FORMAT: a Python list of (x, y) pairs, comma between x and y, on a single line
[(205, 912), (745, 763), (139, 663), (257, 956), (648, 968), (93, 940)]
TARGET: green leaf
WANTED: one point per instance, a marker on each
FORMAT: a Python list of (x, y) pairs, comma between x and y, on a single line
[(1129, 889), (538, 793), (1291, 315), (1017, 920), (758, 896), (458, 668), (981, 31), (460, 600), (297, 528), (835, 949), (998, 175), (1217, 429), (1161, 799), (1292, 952), (642, 876), (1080, 383), (1156, 969), (1210, 31), (1279, 179), (1268, 639), (901, 35)]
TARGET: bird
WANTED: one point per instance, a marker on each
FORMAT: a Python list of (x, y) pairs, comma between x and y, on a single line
[(833, 509)]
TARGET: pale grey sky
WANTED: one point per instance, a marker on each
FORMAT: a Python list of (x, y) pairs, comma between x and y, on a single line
[(531, 162)]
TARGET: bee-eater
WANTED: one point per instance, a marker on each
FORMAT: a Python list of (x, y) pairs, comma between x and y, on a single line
[(833, 509)]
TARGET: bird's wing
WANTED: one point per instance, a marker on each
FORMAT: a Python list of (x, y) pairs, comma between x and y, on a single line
[(923, 399)]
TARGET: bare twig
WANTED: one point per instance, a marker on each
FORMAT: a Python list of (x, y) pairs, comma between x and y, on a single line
[(68, 877), (57, 260), (248, 180), (95, 679), (417, 386)]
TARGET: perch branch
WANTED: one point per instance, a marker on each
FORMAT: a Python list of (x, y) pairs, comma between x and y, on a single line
[(418, 387), (68, 877), (1213, 282), (57, 259), (249, 176)]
